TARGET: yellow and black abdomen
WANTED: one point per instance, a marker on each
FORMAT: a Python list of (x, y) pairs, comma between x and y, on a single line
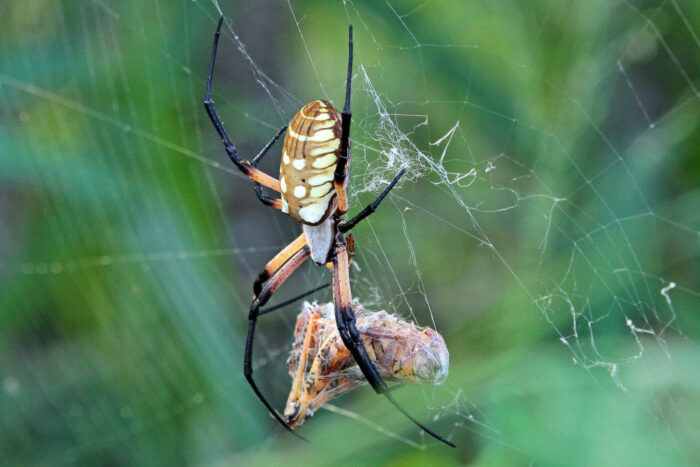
[(309, 158)]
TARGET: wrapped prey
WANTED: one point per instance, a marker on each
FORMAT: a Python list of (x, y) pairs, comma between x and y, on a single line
[(322, 367)]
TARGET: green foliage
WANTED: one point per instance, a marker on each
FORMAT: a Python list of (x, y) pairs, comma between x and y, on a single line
[(128, 243)]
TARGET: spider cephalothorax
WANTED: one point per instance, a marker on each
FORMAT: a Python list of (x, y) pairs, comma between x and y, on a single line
[(312, 184)]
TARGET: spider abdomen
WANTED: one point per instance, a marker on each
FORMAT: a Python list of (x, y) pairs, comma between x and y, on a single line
[(309, 158)]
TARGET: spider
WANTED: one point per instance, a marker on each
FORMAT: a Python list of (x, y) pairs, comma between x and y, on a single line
[(312, 184)]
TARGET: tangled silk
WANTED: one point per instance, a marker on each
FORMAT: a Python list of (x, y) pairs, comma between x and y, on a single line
[(322, 368)]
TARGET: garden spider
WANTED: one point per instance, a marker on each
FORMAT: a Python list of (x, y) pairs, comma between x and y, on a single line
[(312, 185)]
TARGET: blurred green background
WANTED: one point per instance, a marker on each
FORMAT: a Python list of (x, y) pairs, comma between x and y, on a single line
[(552, 237)]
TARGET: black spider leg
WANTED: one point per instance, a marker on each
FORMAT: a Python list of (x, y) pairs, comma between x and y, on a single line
[(345, 226), (273, 284), (258, 187), (269, 144), (345, 315), (211, 110), (422, 427), (343, 157), (231, 151), (350, 335), (291, 300)]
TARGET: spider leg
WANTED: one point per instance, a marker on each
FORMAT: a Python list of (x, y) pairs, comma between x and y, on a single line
[(265, 148), (346, 226), (270, 287), (244, 166), (345, 320), (275, 203), (344, 155), (276, 263), (422, 427), (345, 316), (291, 300)]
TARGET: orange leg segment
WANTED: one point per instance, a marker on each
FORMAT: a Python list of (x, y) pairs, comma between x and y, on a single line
[(342, 197), (261, 177), (276, 263)]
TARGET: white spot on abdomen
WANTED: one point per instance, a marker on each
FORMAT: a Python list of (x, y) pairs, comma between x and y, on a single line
[(299, 191), (328, 124), (314, 212), (319, 136), (323, 135), (317, 180), (330, 146), (320, 117), (319, 191), (324, 161)]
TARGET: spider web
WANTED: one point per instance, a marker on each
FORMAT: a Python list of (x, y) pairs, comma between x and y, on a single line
[(547, 225)]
